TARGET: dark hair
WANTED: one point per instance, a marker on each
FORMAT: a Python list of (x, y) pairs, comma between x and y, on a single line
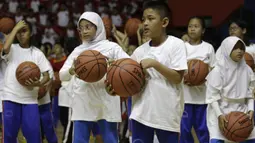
[(161, 7), (202, 21), (243, 25)]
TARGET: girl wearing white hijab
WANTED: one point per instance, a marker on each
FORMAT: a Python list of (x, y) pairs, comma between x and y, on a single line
[(229, 88), (91, 103)]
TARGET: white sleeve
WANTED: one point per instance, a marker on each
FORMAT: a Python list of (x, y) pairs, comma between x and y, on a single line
[(216, 108), (178, 59), (119, 53), (251, 85), (43, 62), (212, 57), (64, 74), (213, 86), (250, 104)]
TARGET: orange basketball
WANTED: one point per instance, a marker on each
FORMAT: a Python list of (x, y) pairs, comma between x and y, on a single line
[(249, 60), (6, 25), (90, 66), (239, 126), (197, 72), (108, 26), (27, 70), (126, 77), (131, 26)]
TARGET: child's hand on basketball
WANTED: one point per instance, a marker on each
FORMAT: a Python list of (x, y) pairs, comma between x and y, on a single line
[(72, 69), (21, 24), (222, 120), (33, 83), (148, 63), (109, 89), (110, 61)]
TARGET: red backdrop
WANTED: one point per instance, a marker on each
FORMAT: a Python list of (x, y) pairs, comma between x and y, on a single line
[(219, 9)]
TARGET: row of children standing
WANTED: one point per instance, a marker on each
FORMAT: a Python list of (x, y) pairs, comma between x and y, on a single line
[(153, 111)]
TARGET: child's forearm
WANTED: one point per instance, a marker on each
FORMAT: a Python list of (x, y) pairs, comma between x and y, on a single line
[(250, 104), (45, 78), (216, 107), (9, 41), (169, 74)]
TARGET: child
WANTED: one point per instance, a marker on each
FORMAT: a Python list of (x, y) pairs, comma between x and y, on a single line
[(194, 96), (91, 103), (46, 119), (158, 108), (20, 102), (239, 28), (229, 88)]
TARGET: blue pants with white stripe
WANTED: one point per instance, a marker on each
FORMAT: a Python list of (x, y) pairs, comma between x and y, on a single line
[(15, 115), (194, 115)]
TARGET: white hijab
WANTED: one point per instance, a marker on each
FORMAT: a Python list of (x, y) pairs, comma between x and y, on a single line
[(230, 77), (96, 20)]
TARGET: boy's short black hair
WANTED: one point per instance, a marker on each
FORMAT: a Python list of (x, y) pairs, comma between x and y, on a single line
[(159, 6)]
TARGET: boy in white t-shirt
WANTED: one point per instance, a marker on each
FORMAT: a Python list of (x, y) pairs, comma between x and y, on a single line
[(159, 107), (20, 105)]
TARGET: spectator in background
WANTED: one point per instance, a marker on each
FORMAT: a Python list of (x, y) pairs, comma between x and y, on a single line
[(13, 5), (19, 15), (49, 35), (88, 6), (70, 31), (55, 6), (76, 15), (35, 5), (63, 16), (31, 18), (43, 16), (116, 18)]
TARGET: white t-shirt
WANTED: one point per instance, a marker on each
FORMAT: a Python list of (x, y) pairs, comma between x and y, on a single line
[(35, 5), (116, 20), (13, 6), (18, 18), (43, 19), (160, 105), (13, 91), (3, 66), (70, 33), (204, 52), (65, 94), (46, 98), (91, 101), (63, 18)]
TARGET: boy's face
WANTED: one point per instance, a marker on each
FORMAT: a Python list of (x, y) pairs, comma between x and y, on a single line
[(23, 35), (152, 23), (235, 30), (237, 52), (87, 30)]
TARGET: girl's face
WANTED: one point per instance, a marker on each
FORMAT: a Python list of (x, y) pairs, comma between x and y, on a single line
[(23, 35), (235, 30), (238, 52), (195, 29), (87, 30)]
